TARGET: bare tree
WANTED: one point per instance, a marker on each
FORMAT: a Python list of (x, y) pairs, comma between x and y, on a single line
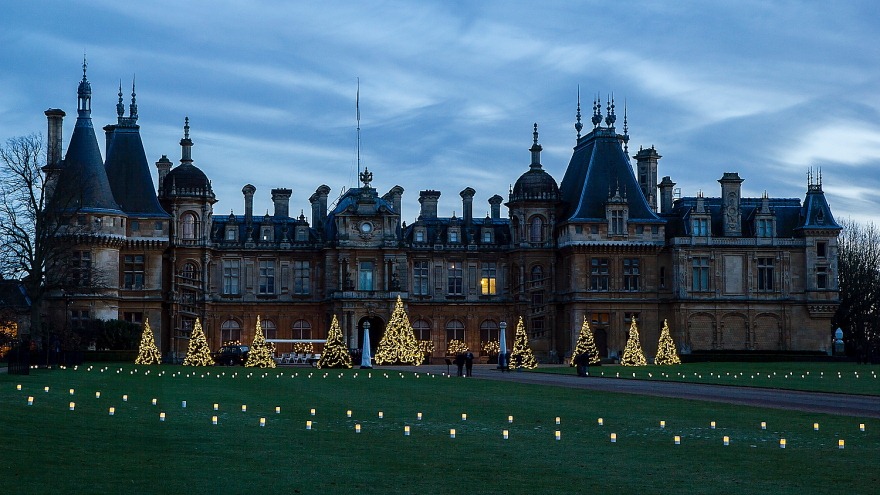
[(34, 236), (859, 277)]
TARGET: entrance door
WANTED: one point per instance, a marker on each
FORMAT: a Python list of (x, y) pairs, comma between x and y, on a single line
[(599, 324)]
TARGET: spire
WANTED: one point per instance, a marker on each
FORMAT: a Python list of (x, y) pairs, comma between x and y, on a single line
[(577, 125), (625, 132), (84, 95), (186, 145), (120, 108), (133, 108), (536, 150)]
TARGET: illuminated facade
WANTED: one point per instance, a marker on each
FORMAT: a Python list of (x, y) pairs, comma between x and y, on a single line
[(728, 273)]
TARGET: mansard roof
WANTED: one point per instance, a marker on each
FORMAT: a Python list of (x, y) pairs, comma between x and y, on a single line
[(599, 169), (437, 231), (785, 212), (128, 172), (816, 214)]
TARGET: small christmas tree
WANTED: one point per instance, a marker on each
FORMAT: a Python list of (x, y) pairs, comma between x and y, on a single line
[(633, 355), (522, 355), (198, 353), (399, 344), (335, 353), (148, 353), (666, 353), (585, 343), (261, 352)]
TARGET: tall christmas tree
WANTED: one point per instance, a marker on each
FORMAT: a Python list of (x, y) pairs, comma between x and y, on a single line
[(261, 352), (335, 353), (666, 353), (198, 353), (633, 355), (522, 355), (399, 344), (148, 353), (585, 343)]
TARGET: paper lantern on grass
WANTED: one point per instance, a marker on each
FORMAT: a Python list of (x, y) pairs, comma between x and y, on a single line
[(262, 422), (381, 415), (840, 444), (601, 421), (161, 416), (726, 440), (861, 426), (677, 440), (72, 391), (18, 387), (464, 416), (558, 435), (662, 424), (154, 401), (357, 428), (277, 409), (419, 416), (214, 420), (782, 443), (510, 419), (125, 398), (763, 425), (72, 406), (815, 426), (45, 389), (712, 425), (30, 401), (406, 431), (244, 408), (504, 433), (348, 413), (614, 438), (452, 433), (112, 411)]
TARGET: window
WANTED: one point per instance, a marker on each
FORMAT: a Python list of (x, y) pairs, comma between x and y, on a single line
[(765, 274), (655, 229), (821, 249), (578, 229), (188, 226), (536, 229), (267, 234), (662, 277), (230, 234), (701, 227), (821, 277), (81, 268), (764, 227), (267, 277), (422, 330), (420, 278), (230, 331), (158, 226), (302, 234), (537, 276), (537, 301), (631, 274), (301, 278), (618, 226), (454, 331), (489, 331), (189, 273), (420, 236), (133, 317), (231, 276), (453, 236), (133, 271), (79, 318), (365, 275), (599, 274), (487, 280), (270, 331), (454, 279), (302, 329), (700, 274), (594, 229), (487, 236), (135, 225), (538, 327)]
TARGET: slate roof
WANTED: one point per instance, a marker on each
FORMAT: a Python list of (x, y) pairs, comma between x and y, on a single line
[(816, 214), (786, 213), (437, 231), (129, 173), (83, 169), (599, 168)]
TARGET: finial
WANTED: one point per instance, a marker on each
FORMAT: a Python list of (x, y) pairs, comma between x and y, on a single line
[(120, 108), (625, 131), (85, 65), (133, 108), (597, 111), (819, 182), (578, 126), (535, 135), (186, 128), (611, 117)]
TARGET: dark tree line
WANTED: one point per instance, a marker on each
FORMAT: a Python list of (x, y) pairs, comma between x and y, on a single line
[(859, 278)]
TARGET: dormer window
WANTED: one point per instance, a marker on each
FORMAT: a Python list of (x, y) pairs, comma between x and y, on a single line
[(700, 227), (266, 234), (487, 236), (453, 236), (617, 222), (301, 234), (420, 235), (764, 227), (230, 234)]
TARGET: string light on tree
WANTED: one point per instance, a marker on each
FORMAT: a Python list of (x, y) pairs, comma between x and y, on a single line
[(198, 353), (522, 355), (148, 353), (632, 354), (335, 354), (585, 343), (261, 352), (399, 344), (666, 353)]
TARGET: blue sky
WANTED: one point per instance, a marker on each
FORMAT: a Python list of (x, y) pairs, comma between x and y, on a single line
[(449, 89)]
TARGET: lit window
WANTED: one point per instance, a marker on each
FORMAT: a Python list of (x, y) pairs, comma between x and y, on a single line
[(487, 281)]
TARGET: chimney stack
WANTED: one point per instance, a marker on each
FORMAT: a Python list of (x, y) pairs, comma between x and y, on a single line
[(646, 164), (731, 192), (248, 192), (467, 205), (281, 200), (163, 166), (319, 207), (428, 199), (55, 116), (495, 205)]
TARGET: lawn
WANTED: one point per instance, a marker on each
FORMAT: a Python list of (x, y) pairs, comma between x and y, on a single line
[(50, 448), (847, 378)]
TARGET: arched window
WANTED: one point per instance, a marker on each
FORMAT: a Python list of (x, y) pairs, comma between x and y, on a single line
[(230, 331), (454, 331), (422, 330), (188, 225), (537, 276), (489, 331), (190, 272), (302, 329), (270, 331), (536, 229)]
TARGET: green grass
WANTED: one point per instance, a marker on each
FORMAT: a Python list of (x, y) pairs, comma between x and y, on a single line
[(847, 378), (48, 448)]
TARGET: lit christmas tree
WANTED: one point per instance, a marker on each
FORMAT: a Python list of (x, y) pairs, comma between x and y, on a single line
[(633, 355), (335, 353), (666, 353), (522, 355), (148, 353), (399, 344), (198, 353), (261, 352), (585, 343)]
